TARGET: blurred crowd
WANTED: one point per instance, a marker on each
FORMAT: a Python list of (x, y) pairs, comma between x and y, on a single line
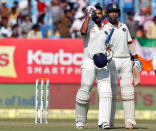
[(142, 24), (38, 19)]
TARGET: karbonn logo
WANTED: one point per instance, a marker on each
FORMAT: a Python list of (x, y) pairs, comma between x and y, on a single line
[(7, 68), (47, 58)]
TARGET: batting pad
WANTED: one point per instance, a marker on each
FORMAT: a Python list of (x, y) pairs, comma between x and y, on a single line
[(113, 109), (127, 92), (114, 86), (81, 112), (129, 111), (104, 110), (105, 99), (82, 96)]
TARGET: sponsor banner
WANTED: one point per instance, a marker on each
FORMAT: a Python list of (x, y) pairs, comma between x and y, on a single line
[(62, 96), (145, 98), (7, 67), (70, 114), (22, 61)]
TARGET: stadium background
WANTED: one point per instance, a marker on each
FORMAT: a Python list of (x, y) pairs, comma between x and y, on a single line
[(23, 60)]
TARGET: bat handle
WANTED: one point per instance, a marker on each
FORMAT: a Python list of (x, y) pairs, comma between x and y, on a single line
[(108, 47)]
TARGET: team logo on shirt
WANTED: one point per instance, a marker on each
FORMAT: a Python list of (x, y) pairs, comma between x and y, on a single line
[(124, 29)]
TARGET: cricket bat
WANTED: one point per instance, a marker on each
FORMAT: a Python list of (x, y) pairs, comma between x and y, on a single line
[(136, 76), (109, 37)]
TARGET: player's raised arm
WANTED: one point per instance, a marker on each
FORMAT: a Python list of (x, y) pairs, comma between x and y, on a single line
[(84, 27), (90, 11)]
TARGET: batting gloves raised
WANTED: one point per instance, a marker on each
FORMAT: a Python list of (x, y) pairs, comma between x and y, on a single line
[(90, 10)]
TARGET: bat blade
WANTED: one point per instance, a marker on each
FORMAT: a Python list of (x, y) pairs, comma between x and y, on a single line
[(136, 76)]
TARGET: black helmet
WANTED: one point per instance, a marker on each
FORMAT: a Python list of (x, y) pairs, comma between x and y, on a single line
[(113, 8), (100, 60)]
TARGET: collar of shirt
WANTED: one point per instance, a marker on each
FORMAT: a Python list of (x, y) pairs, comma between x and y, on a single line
[(96, 26), (119, 24)]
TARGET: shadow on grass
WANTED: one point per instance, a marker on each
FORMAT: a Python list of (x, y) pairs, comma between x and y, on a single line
[(140, 128), (137, 128), (115, 128)]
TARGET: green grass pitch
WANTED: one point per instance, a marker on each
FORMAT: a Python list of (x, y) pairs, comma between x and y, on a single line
[(68, 125)]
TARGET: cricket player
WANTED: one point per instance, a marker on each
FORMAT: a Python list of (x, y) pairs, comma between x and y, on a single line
[(94, 37), (121, 65)]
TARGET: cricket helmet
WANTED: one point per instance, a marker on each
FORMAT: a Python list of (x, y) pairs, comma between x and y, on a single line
[(113, 8), (100, 60)]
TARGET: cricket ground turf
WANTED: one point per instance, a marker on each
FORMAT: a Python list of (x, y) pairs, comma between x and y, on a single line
[(68, 125)]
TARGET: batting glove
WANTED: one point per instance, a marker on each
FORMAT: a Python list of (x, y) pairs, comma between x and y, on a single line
[(90, 10), (137, 64), (109, 55)]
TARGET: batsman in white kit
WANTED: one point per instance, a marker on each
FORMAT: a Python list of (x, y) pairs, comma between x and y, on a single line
[(95, 65), (121, 65)]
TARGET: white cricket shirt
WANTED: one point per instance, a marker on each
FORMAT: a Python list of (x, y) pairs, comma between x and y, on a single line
[(94, 40), (119, 40)]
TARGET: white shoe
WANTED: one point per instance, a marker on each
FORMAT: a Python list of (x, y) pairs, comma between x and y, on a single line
[(130, 124), (104, 125), (79, 125)]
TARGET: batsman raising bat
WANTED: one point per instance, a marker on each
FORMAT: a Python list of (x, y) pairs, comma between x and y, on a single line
[(121, 65), (95, 65)]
